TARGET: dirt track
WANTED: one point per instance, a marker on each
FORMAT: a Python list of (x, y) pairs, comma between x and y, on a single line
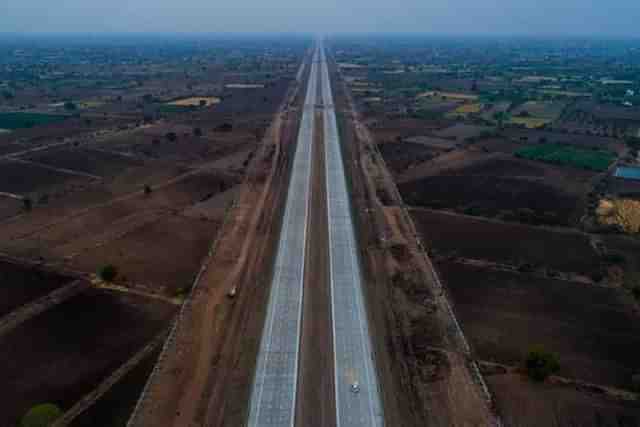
[(207, 373)]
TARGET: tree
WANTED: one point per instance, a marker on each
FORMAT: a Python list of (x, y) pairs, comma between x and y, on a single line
[(541, 363), (108, 273), (27, 204), (42, 415)]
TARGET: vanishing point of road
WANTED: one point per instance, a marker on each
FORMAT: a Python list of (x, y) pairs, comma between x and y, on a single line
[(356, 388)]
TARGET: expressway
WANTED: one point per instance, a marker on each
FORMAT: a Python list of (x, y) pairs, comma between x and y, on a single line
[(278, 371)]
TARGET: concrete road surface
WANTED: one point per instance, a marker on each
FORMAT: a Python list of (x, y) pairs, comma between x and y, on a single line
[(356, 384), (274, 390)]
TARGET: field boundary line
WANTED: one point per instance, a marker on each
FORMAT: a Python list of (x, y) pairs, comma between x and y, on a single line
[(56, 169)]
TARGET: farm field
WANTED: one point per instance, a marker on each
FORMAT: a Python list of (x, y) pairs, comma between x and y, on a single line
[(124, 230), (402, 155), (64, 353), (90, 161), (196, 101), (449, 95), (20, 120), (146, 256), (594, 330), (522, 403), (8, 148), (21, 285), (24, 178), (460, 132), (465, 109), (624, 213), (506, 243), (568, 156), (115, 407), (586, 142), (10, 206), (488, 195), (530, 122)]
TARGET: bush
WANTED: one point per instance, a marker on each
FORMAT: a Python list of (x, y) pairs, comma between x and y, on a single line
[(108, 273), (635, 383), (41, 415), (540, 364)]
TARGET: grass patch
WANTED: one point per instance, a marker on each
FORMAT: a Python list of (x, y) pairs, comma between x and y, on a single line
[(565, 155), (19, 120)]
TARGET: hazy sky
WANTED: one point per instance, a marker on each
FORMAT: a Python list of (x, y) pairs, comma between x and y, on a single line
[(539, 17)]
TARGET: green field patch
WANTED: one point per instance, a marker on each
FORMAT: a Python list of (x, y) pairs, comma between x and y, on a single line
[(596, 160), (19, 120)]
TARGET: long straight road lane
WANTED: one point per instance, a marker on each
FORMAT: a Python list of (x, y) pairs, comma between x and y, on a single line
[(273, 397), (356, 385)]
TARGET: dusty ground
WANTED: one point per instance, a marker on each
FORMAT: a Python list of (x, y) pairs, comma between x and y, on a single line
[(114, 408), (593, 329), (21, 284), (451, 234), (525, 404)]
